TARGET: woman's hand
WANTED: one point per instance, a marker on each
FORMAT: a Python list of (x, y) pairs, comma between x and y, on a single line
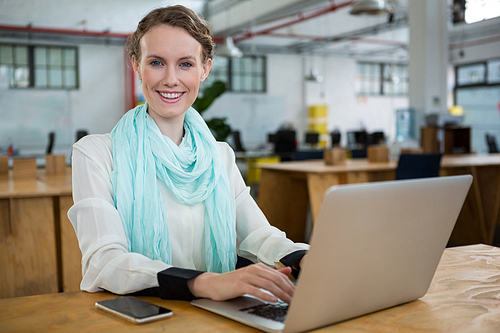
[(246, 280)]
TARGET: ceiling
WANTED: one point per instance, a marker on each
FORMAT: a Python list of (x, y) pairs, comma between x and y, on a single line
[(257, 26)]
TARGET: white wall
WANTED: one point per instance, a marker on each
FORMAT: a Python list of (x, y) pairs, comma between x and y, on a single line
[(95, 106), (100, 101), (346, 111)]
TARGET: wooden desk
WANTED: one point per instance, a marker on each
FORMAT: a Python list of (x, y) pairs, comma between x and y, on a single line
[(287, 189), (463, 297), (39, 251)]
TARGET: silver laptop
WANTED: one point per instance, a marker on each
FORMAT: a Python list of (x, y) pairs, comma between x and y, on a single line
[(373, 246)]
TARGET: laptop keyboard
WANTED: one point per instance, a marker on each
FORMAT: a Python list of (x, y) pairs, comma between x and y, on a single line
[(276, 311)]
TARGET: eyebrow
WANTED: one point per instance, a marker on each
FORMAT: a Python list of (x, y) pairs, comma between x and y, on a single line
[(190, 57)]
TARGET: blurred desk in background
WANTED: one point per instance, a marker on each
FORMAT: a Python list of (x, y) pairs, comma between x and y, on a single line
[(288, 189), (39, 253)]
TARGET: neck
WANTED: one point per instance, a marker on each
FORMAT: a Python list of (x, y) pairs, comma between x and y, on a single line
[(172, 128)]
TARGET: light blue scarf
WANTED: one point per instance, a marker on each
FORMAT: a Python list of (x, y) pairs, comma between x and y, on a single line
[(193, 172)]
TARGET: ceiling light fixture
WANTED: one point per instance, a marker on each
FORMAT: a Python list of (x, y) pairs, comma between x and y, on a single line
[(228, 49), (371, 7), (314, 76)]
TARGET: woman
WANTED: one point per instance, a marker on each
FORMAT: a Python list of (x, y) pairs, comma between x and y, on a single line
[(160, 207)]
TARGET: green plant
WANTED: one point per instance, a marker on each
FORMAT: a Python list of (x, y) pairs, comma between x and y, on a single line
[(218, 126)]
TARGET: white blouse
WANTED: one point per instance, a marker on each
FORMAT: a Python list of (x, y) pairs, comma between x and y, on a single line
[(107, 263)]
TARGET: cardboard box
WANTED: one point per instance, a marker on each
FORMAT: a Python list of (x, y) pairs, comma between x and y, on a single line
[(335, 156), (24, 168), (55, 164), (377, 153)]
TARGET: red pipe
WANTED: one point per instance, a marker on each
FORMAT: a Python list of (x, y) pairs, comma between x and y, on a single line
[(301, 18), (84, 32)]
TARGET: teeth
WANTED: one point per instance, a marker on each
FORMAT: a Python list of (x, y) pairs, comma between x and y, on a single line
[(170, 95)]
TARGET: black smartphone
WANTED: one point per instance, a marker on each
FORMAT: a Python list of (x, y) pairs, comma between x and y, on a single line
[(133, 309)]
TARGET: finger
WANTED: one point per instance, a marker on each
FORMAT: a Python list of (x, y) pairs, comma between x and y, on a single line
[(277, 276), (285, 270), (275, 285), (257, 292)]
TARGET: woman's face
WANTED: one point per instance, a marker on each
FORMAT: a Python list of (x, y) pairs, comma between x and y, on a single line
[(171, 70)]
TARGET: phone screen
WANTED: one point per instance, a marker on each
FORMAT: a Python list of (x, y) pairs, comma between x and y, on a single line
[(134, 309)]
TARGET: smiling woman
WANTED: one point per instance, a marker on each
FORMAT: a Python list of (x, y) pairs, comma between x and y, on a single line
[(171, 69), (160, 206)]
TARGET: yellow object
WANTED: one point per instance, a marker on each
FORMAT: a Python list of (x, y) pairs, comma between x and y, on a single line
[(456, 110), (318, 111), (317, 122), (253, 173), (320, 128)]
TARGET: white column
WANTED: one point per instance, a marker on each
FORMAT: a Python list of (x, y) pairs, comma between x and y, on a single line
[(428, 57)]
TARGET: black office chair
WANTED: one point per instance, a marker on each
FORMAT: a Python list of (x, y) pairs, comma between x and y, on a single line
[(357, 138), (284, 144), (312, 138), (492, 143), (376, 138), (356, 142), (238, 146), (80, 134), (50, 145), (336, 136), (418, 166)]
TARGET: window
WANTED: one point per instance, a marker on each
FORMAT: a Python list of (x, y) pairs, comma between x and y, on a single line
[(471, 11), (381, 79), (477, 87), (478, 74), (246, 74), (34, 66)]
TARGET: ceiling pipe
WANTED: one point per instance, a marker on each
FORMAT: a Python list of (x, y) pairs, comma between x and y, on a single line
[(31, 29), (339, 39), (301, 18)]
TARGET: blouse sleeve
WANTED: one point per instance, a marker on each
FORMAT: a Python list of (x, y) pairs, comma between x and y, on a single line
[(106, 262), (257, 240)]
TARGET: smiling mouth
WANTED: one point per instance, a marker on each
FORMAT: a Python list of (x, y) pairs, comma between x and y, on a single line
[(170, 95)]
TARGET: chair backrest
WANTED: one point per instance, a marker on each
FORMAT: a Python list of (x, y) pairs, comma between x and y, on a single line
[(335, 136), (238, 145), (50, 145), (418, 166), (357, 137), (492, 143), (80, 134), (376, 138)]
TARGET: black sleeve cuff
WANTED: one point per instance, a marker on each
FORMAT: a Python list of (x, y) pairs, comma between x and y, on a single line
[(293, 260), (173, 283)]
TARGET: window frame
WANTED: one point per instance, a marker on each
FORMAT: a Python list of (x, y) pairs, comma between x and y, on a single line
[(231, 76), (485, 83), (381, 79), (32, 66)]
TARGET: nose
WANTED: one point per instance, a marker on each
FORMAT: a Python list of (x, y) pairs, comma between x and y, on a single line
[(170, 78)]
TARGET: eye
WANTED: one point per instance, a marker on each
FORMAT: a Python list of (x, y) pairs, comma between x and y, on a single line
[(186, 64), (156, 63)]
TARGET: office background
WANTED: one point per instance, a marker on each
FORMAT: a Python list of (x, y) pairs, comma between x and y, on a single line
[(413, 37)]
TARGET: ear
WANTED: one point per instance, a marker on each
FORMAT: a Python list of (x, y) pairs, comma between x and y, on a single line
[(207, 66), (135, 67)]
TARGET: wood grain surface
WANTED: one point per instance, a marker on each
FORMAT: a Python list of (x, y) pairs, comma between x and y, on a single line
[(464, 296), (476, 223)]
